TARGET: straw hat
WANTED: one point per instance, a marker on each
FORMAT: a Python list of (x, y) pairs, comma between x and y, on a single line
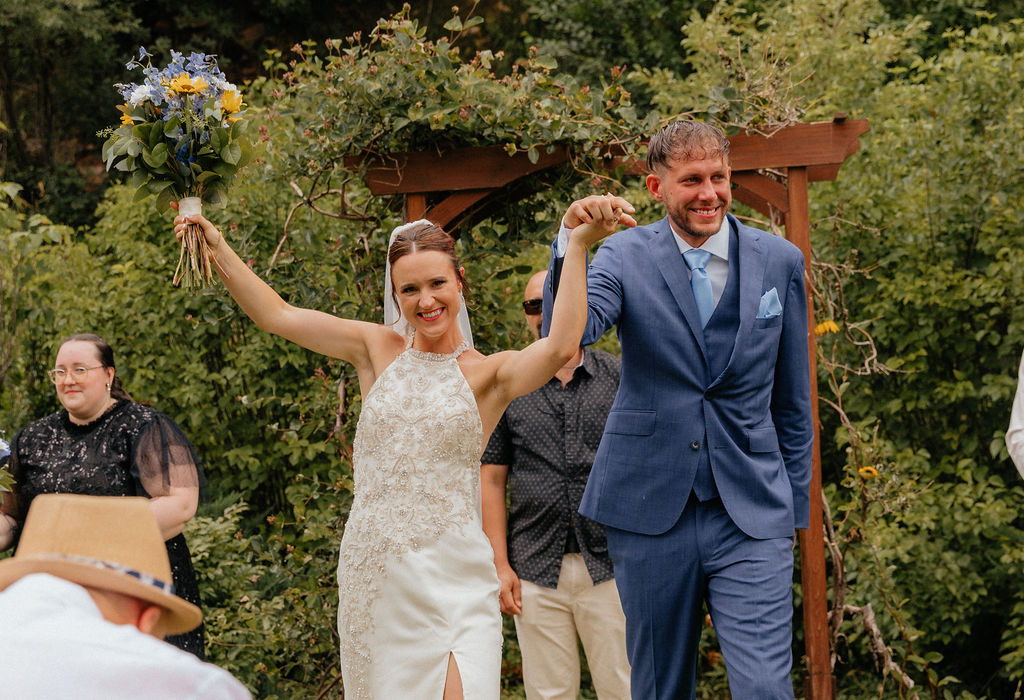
[(103, 542)]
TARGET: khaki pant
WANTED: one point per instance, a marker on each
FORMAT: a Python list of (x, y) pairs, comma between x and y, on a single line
[(548, 628)]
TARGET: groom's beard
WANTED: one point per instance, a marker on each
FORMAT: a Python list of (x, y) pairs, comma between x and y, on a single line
[(680, 224)]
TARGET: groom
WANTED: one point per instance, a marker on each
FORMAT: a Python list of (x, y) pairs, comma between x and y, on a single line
[(703, 470)]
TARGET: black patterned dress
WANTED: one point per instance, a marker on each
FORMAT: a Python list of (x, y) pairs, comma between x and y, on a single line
[(131, 450)]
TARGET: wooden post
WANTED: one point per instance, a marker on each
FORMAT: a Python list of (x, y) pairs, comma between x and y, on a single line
[(415, 207), (819, 684)]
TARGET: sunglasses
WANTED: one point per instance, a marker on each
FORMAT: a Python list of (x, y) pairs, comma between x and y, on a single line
[(532, 307)]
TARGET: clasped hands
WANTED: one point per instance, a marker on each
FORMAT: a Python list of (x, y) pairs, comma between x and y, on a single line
[(597, 216)]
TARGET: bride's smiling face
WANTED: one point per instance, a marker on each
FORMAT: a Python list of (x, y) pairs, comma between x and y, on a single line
[(427, 289)]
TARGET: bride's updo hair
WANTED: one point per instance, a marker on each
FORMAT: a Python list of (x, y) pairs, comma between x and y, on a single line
[(424, 236)]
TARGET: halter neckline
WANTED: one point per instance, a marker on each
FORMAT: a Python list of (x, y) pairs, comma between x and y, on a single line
[(461, 348)]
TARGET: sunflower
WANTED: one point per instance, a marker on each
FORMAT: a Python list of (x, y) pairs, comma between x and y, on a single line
[(184, 84)]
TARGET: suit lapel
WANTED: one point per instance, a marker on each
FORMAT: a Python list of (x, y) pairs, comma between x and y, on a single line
[(673, 268), (751, 265)]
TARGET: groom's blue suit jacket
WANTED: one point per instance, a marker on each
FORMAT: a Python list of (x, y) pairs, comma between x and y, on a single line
[(740, 404)]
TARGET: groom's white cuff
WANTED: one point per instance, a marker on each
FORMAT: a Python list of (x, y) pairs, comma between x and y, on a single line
[(562, 242)]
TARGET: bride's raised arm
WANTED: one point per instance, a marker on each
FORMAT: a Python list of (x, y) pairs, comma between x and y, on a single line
[(354, 341), (528, 369)]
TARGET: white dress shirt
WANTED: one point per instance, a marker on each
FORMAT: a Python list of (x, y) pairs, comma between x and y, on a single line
[(717, 244), (55, 644), (1015, 433)]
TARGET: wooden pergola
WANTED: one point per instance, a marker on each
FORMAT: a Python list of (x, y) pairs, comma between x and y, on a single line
[(770, 174)]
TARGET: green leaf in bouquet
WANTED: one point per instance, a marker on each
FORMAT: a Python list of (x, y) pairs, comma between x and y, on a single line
[(139, 178), (171, 125), (164, 199), (224, 169), (246, 153), (239, 128), (156, 135), (106, 152), (219, 138), (156, 157), (120, 146), (206, 176), (158, 186), (131, 148), (215, 194), (141, 193), (231, 153), (141, 132)]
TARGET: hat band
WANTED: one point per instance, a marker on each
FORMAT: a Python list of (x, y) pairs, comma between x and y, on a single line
[(141, 576)]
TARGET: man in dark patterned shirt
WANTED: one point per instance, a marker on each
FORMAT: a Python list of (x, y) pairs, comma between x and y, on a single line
[(556, 576)]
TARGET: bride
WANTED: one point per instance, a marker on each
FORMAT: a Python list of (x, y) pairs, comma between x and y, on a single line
[(418, 593)]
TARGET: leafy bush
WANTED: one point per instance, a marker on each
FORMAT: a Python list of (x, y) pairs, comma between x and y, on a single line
[(918, 261)]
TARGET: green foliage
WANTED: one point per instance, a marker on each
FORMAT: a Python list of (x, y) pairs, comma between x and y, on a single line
[(403, 92), (49, 102), (918, 260), (643, 33), (30, 245), (255, 601), (758, 70), (960, 14)]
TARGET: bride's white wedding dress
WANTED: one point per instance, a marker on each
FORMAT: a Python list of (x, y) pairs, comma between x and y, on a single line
[(416, 575)]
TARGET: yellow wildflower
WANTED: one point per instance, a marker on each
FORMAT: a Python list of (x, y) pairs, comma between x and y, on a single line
[(868, 472), (126, 114), (231, 101), (824, 327), (183, 84)]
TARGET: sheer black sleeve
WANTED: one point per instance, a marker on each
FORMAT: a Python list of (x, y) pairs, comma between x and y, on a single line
[(163, 458)]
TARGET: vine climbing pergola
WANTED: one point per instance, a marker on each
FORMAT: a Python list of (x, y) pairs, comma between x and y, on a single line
[(770, 174)]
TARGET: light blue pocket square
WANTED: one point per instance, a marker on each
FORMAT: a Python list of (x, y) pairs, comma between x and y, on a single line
[(770, 306)]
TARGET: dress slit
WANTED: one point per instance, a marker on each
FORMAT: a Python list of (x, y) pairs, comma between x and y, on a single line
[(453, 663)]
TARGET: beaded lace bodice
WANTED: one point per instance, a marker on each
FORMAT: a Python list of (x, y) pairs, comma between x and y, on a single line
[(416, 463)]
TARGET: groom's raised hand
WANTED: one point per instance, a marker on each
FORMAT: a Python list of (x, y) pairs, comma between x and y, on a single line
[(599, 207)]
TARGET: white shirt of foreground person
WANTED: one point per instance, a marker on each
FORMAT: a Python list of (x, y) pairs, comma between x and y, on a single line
[(1015, 433), (55, 644)]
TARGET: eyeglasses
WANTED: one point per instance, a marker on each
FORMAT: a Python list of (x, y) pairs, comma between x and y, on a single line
[(532, 307), (77, 373)]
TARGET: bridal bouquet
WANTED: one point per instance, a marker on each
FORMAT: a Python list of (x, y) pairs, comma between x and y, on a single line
[(182, 138)]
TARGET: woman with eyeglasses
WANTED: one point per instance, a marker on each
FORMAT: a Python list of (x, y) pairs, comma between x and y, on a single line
[(102, 443)]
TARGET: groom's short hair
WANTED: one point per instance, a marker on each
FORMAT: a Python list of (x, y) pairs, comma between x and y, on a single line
[(687, 139)]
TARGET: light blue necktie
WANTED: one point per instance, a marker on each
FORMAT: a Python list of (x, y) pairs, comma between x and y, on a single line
[(696, 260)]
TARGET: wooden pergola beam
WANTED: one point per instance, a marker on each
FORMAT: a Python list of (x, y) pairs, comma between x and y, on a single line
[(434, 182), (771, 175)]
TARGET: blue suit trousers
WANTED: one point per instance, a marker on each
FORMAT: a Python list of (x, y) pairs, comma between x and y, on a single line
[(747, 584)]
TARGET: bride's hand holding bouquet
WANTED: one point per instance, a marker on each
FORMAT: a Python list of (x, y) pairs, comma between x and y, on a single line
[(182, 138)]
